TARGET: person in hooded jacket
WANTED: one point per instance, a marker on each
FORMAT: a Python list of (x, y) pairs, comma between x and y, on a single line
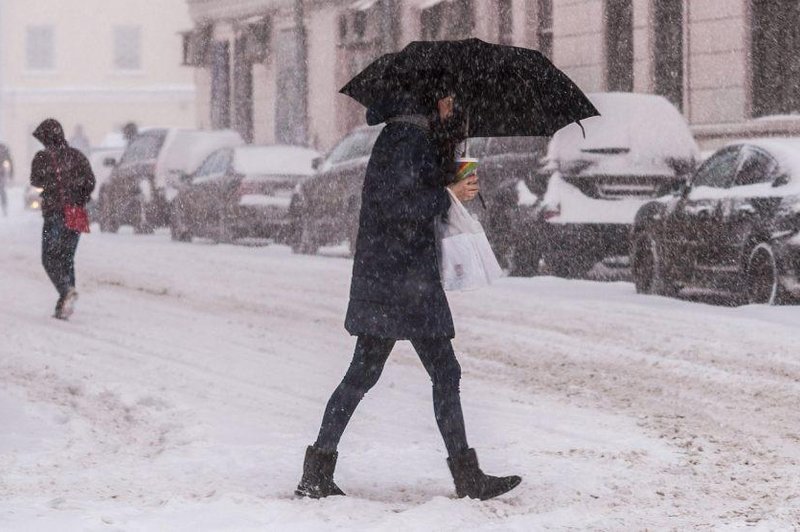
[(6, 174), (396, 291), (66, 178)]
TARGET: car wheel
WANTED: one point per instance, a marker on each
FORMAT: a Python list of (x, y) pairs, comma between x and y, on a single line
[(523, 260), (763, 278), (142, 225), (177, 227), (108, 224), (305, 243), (569, 266), (224, 232), (648, 269)]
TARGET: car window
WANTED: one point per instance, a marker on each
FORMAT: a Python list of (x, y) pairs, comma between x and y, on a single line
[(217, 163), (145, 147), (207, 166), (478, 146), (757, 167), (521, 145), (351, 147), (718, 170)]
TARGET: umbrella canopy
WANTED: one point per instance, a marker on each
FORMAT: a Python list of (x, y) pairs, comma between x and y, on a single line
[(506, 90)]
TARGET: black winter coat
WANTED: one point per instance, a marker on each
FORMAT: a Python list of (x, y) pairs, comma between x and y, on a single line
[(77, 178), (396, 291)]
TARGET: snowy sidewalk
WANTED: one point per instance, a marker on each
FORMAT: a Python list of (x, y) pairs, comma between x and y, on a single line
[(184, 391)]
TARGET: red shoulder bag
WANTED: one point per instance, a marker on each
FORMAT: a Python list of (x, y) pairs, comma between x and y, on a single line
[(75, 216)]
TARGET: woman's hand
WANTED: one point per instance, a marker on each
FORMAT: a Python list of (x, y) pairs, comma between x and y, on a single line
[(467, 189)]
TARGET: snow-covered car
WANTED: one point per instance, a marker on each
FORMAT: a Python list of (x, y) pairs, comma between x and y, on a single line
[(324, 209), (640, 148), (734, 228), (147, 178), (241, 192), (103, 160), (513, 182)]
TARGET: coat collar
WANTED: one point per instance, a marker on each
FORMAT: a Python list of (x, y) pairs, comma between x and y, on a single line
[(419, 121)]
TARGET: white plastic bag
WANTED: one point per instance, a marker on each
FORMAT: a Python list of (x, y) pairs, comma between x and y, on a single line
[(466, 259)]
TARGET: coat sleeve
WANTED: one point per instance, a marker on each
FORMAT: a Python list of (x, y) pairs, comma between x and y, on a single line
[(88, 179), (404, 193), (39, 171)]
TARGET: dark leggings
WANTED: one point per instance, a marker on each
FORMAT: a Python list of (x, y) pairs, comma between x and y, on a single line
[(370, 356), (58, 252)]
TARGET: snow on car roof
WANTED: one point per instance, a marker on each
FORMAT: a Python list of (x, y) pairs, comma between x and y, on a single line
[(274, 160), (635, 134), (786, 150)]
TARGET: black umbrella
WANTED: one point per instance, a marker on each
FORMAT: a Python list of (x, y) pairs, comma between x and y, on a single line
[(507, 91)]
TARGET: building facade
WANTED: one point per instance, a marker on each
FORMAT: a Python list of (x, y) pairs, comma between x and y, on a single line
[(97, 64), (272, 68)]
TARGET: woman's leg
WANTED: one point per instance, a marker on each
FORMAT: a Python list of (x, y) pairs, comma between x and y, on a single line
[(365, 370), (439, 359), (71, 239), (52, 253)]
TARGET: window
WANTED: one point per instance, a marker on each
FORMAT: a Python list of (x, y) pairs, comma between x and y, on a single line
[(431, 20), (342, 28), (544, 32), (505, 29), (718, 171), (354, 146), (145, 147), (619, 45), (127, 48), (216, 164), (40, 48), (669, 50), (757, 167), (453, 19), (461, 19), (776, 57), (360, 24)]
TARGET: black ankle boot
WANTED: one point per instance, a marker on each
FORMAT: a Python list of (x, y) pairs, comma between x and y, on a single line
[(471, 482), (317, 481)]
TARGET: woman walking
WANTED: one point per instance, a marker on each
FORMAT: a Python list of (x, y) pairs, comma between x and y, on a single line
[(396, 292), (66, 179)]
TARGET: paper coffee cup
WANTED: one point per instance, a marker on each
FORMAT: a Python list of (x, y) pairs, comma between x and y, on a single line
[(466, 167)]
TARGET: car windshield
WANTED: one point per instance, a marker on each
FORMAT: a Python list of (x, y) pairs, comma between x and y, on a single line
[(355, 146), (520, 145), (718, 171), (144, 148)]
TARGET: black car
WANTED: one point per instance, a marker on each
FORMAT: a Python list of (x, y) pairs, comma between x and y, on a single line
[(734, 229), (513, 182), (324, 209), (241, 192)]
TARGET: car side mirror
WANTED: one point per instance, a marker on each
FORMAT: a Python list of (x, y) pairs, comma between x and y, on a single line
[(684, 188), (316, 163), (109, 162), (781, 180)]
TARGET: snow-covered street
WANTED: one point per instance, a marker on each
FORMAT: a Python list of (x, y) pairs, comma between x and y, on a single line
[(182, 394)]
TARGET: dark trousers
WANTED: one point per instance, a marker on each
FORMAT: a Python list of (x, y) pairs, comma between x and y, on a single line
[(370, 356), (58, 252)]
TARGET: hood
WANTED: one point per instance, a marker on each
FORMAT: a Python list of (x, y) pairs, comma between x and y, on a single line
[(400, 106), (51, 134)]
